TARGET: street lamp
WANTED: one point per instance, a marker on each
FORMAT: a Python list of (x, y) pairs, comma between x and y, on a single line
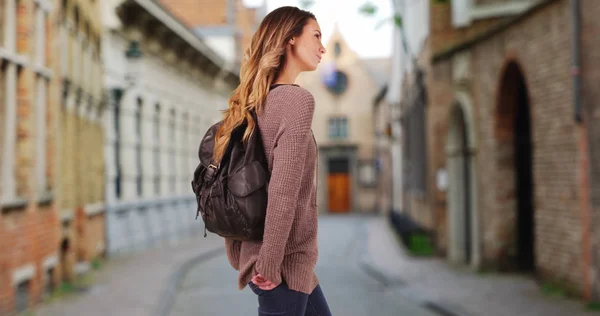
[(134, 61)]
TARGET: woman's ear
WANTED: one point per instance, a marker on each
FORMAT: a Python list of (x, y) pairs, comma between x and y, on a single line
[(292, 41)]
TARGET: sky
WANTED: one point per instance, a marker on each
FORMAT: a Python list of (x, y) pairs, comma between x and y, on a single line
[(360, 32)]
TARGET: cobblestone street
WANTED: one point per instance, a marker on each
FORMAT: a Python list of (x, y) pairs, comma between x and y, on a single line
[(210, 287), (362, 268)]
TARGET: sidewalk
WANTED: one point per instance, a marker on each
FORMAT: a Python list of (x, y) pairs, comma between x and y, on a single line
[(462, 292), (136, 284)]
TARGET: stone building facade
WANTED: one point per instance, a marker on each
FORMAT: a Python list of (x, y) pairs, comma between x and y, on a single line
[(166, 87), (344, 87), (29, 222), (515, 137), (80, 134)]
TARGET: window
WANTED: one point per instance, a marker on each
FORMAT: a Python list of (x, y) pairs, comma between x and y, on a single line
[(2, 117), (49, 282), (185, 139), (138, 146), (9, 113), (64, 39), (157, 169), (22, 297), (64, 7), (416, 140), (2, 22), (173, 155), (337, 49), (338, 128), (41, 102), (40, 34), (9, 25), (117, 94), (75, 55)]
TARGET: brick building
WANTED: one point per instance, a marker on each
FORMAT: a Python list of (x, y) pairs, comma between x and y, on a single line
[(29, 223), (500, 122), (81, 163), (226, 25)]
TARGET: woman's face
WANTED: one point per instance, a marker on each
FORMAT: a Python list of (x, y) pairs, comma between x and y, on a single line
[(307, 49)]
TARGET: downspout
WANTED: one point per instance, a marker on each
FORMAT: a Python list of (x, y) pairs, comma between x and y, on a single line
[(584, 149), (575, 53)]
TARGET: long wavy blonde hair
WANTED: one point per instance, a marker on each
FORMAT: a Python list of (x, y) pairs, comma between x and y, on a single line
[(263, 61)]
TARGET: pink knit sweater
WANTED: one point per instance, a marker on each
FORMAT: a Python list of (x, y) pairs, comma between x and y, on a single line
[(289, 247)]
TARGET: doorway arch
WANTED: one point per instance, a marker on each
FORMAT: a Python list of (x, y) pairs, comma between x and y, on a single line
[(463, 219), (515, 163)]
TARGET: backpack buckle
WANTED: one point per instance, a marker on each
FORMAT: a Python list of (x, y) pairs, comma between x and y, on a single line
[(213, 166)]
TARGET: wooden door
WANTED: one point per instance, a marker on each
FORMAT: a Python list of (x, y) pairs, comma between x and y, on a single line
[(338, 182)]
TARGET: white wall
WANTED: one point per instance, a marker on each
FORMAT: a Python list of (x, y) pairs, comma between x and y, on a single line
[(162, 84), (223, 45), (408, 42), (136, 222)]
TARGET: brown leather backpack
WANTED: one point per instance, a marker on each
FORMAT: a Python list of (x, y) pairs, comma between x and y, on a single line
[(232, 195)]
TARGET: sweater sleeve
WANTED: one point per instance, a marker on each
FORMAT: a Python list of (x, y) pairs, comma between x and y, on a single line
[(233, 248), (289, 157)]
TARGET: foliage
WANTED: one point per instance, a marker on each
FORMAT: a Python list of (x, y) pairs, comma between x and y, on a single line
[(553, 289), (420, 245), (96, 263), (306, 4), (593, 306), (368, 8)]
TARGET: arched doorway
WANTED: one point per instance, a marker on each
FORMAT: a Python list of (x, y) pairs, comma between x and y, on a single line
[(515, 160), (463, 217)]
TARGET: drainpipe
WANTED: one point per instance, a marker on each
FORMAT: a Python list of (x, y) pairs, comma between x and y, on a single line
[(575, 52), (584, 149)]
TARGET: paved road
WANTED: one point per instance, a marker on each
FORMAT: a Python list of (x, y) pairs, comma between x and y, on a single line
[(210, 288)]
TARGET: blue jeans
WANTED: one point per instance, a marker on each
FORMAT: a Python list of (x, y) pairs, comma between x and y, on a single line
[(285, 302)]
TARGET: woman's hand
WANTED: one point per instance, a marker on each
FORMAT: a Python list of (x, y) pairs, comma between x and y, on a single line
[(263, 283)]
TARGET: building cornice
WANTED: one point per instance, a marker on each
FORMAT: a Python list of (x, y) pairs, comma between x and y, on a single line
[(141, 14), (498, 28)]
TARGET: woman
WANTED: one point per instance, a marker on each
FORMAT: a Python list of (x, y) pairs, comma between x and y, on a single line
[(280, 268)]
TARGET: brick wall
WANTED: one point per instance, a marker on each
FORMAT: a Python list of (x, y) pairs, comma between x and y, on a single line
[(91, 236), (591, 101), (28, 234), (246, 22), (441, 98), (540, 45), (81, 155), (444, 35), (28, 237), (432, 212), (198, 12)]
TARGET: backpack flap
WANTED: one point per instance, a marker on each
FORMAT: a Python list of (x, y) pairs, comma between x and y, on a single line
[(247, 180), (206, 150)]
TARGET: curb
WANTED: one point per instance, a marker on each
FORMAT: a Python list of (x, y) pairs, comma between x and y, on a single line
[(380, 276), (170, 292), (441, 309)]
